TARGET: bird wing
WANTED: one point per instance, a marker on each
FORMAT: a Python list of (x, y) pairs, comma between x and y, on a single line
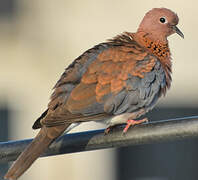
[(107, 80)]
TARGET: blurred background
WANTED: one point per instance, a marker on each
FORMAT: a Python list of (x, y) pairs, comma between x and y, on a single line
[(38, 39)]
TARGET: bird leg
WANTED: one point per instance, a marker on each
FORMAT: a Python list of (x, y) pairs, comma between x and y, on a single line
[(109, 128), (129, 119), (132, 122)]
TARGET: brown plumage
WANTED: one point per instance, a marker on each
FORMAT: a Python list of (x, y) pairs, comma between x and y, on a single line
[(114, 82)]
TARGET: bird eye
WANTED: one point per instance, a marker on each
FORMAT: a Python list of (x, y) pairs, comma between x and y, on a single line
[(163, 20)]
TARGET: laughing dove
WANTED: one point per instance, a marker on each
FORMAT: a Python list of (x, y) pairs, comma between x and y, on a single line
[(114, 82)]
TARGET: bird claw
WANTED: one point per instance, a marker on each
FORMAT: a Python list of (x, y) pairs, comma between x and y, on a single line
[(132, 122), (107, 130)]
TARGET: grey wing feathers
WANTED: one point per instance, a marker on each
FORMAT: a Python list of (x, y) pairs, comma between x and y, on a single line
[(141, 92)]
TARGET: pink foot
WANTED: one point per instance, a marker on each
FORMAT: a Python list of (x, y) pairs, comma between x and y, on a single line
[(132, 122), (107, 130)]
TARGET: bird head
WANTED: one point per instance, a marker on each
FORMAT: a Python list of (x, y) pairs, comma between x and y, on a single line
[(159, 23)]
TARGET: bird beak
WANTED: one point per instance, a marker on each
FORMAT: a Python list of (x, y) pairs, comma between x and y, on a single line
[(177, 30)]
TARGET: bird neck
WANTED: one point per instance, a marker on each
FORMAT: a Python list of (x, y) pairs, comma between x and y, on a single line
[(159, 48)]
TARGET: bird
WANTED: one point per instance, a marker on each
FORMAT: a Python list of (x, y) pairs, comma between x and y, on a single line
[(115, 82)]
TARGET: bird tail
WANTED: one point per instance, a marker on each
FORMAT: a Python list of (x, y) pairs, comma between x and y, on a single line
[(40, 143)]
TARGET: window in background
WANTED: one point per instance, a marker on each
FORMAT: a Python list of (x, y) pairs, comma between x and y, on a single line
[(165, 161), (4, 117), (7, 8)]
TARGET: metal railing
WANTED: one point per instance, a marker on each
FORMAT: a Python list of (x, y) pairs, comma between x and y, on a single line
[(154, 132)]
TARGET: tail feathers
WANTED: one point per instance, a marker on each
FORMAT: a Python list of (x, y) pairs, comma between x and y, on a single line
[(37, 123), (30, 154)]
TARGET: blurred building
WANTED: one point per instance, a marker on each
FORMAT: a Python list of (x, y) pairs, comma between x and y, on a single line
[(40, 38)]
